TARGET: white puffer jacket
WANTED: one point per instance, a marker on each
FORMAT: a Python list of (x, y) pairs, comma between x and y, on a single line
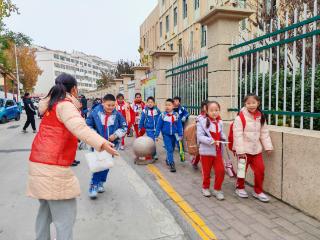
[(253, 138)]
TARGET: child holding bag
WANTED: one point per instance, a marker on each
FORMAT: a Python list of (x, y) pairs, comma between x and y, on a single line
[(111, 125), (209, 135), (251, 135)]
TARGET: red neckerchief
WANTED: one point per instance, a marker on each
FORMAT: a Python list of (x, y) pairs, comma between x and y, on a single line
[(106, 124), (203, 113), (151, 111), (255, 114), (172, 117), (122, 107), (215, 135)]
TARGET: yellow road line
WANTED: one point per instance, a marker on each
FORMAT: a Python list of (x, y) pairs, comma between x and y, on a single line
[(186, 210)]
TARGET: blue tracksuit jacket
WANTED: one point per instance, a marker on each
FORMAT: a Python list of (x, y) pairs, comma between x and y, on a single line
[(183, 113), (116, 123), (149, 118), (166, 126)]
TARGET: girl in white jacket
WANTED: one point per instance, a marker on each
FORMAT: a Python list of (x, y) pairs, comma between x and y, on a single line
[(251, 135)]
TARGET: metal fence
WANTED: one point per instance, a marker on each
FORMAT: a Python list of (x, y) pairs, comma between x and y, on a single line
[(190, 82), (281, 65)]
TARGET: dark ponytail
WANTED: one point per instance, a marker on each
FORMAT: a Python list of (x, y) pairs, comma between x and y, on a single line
[(208, 104), (257, 98), (63, 85)]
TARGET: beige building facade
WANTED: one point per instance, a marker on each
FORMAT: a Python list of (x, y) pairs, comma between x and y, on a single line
[(172, 25)]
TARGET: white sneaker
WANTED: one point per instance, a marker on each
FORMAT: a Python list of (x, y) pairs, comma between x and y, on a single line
[(206, 192), (218, 194), (242, 193), (122, 148), (261, 196)]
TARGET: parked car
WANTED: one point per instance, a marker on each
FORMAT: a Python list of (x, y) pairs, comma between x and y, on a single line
[(9, 110)]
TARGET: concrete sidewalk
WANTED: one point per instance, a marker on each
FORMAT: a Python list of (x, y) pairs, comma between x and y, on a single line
[(127, 210), (234, 218)]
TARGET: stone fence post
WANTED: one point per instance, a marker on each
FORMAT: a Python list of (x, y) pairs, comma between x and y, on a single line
[(162, 61), (223, 26)]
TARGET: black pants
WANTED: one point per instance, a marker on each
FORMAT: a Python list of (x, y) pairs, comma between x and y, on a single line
[(30, 119)]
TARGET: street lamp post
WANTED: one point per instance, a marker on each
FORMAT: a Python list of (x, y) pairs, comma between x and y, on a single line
[(17, 71)]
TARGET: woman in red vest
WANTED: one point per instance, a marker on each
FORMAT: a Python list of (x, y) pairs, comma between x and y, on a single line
[(51, 179)]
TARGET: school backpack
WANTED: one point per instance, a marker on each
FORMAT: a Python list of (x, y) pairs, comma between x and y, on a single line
[(190, 135), (230, 137)]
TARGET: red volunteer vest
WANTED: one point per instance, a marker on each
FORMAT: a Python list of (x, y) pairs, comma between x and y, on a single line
[(54, 144)]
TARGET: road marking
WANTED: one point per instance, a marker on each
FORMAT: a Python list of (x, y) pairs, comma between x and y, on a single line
[(186, 210)]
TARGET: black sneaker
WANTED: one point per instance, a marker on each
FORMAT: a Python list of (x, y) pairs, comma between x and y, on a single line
[(172, 168), (75, 163)]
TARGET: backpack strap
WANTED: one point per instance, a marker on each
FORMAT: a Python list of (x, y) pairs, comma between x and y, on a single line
[(243, 120)]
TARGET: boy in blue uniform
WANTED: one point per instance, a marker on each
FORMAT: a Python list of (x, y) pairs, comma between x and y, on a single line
[(182, 111), (149, 119), (170, 126), (111, 125), (183, 114)]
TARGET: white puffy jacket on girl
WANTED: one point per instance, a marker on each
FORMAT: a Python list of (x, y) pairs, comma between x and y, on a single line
[(253, 138)]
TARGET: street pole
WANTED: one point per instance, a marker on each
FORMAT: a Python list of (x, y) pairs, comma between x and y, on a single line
[(17, 70)]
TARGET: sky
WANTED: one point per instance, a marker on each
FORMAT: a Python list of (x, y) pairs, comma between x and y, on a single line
[(106, 28)]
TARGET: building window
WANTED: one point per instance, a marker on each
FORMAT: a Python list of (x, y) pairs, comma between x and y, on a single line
[(163, 2), (171, 46), (167, 24), (56, 56), (160, 29), (180, 47), (196, 4), (203, 36), (175, 16), (191, 41), (185, 8)]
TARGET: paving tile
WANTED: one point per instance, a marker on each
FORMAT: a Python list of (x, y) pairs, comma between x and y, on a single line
[(307, 236), (234, 235), (244, 218), (245, 208), (244, 229), (309, 228), (264, 220), (223, 213), (284, 234), (265, 232), (255, 236), (218, 223), (288, 226)]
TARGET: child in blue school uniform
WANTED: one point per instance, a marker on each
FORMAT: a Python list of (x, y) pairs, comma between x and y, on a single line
[(182, 111), (149, 119), (111, 125), (170, 126)]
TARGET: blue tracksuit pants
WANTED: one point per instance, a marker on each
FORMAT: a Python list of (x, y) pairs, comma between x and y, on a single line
[(99, 177), (169, 145), (150, 134)]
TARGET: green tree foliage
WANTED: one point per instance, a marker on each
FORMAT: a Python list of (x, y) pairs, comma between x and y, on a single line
[(289, 89), (105, 80), (124, 67)]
